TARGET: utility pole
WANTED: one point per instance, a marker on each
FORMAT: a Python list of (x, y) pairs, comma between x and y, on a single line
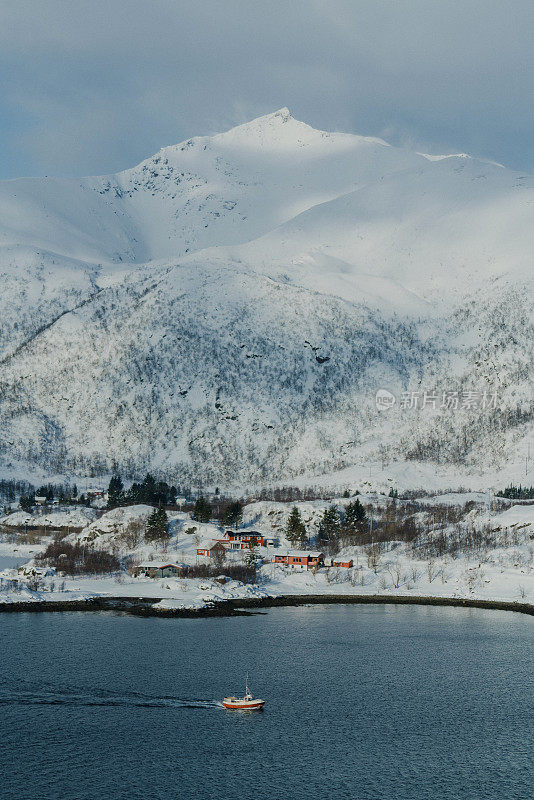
[(490, 502)]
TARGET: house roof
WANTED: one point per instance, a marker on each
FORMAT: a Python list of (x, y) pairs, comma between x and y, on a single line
[(301, 553), (159, 564)]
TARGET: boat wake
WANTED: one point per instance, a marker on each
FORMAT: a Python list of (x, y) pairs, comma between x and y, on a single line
[(74, 697)]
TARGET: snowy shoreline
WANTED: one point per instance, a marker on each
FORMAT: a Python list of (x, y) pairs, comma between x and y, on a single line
[(150, 607), (456, 553)]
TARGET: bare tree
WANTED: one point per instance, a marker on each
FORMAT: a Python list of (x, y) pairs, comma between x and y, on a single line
[(395, 573), (218, 555), (373, 557), (431, 570), (132, 534)]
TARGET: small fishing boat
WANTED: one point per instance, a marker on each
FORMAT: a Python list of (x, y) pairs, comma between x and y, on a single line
[(245, 703)]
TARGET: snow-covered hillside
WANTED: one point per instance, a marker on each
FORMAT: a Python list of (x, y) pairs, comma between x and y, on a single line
[(226, 311)]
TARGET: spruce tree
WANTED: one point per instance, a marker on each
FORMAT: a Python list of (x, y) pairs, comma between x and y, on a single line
[(202, 512), (26, 502), (115, 492), (355, 516), (233, 514), (329, 527), (157, 526), (295, 529)]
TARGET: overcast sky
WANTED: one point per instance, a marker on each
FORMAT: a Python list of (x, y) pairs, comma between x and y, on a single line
[(95, 86)]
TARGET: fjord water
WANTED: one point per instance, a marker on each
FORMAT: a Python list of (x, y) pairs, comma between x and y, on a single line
[(366, 703)]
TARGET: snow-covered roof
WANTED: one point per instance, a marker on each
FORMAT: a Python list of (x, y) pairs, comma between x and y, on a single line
[(159, 564), (307, 553)]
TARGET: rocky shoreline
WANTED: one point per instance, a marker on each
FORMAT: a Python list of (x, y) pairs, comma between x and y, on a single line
[(145, 607)]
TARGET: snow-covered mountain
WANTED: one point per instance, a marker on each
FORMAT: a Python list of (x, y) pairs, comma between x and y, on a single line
[(226, 311)]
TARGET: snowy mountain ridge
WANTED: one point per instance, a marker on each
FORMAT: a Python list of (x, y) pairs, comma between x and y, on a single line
[(226, 311)]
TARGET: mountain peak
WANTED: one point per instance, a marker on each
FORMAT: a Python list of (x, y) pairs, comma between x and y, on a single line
[(275, 131), (284, 114)]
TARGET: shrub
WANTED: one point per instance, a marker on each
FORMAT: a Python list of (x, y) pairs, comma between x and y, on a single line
[(76, 559)]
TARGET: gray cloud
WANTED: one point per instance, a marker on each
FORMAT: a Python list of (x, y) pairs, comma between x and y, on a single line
[(92, 86)]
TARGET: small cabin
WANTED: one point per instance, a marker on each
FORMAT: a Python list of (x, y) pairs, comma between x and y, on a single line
[(339, 562), (159, 569), (300, 559)]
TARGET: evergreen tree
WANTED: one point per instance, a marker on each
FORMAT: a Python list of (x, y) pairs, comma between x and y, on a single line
[(26, 502), (329, 527), (252, 556), (233, 514), (115, 492), (252, 559), (157, 526), (355, 516), (202, 512), (295, 529)]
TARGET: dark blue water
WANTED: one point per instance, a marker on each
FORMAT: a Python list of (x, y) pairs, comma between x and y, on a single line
[(364, 702)]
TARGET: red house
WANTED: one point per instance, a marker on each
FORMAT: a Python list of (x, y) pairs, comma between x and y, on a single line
[(243, 540), (300, 559), (209, 550), (342, 563)]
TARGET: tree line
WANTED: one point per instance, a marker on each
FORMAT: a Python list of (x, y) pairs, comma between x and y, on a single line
[(336, 527), (517, 492), (150, 492)]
